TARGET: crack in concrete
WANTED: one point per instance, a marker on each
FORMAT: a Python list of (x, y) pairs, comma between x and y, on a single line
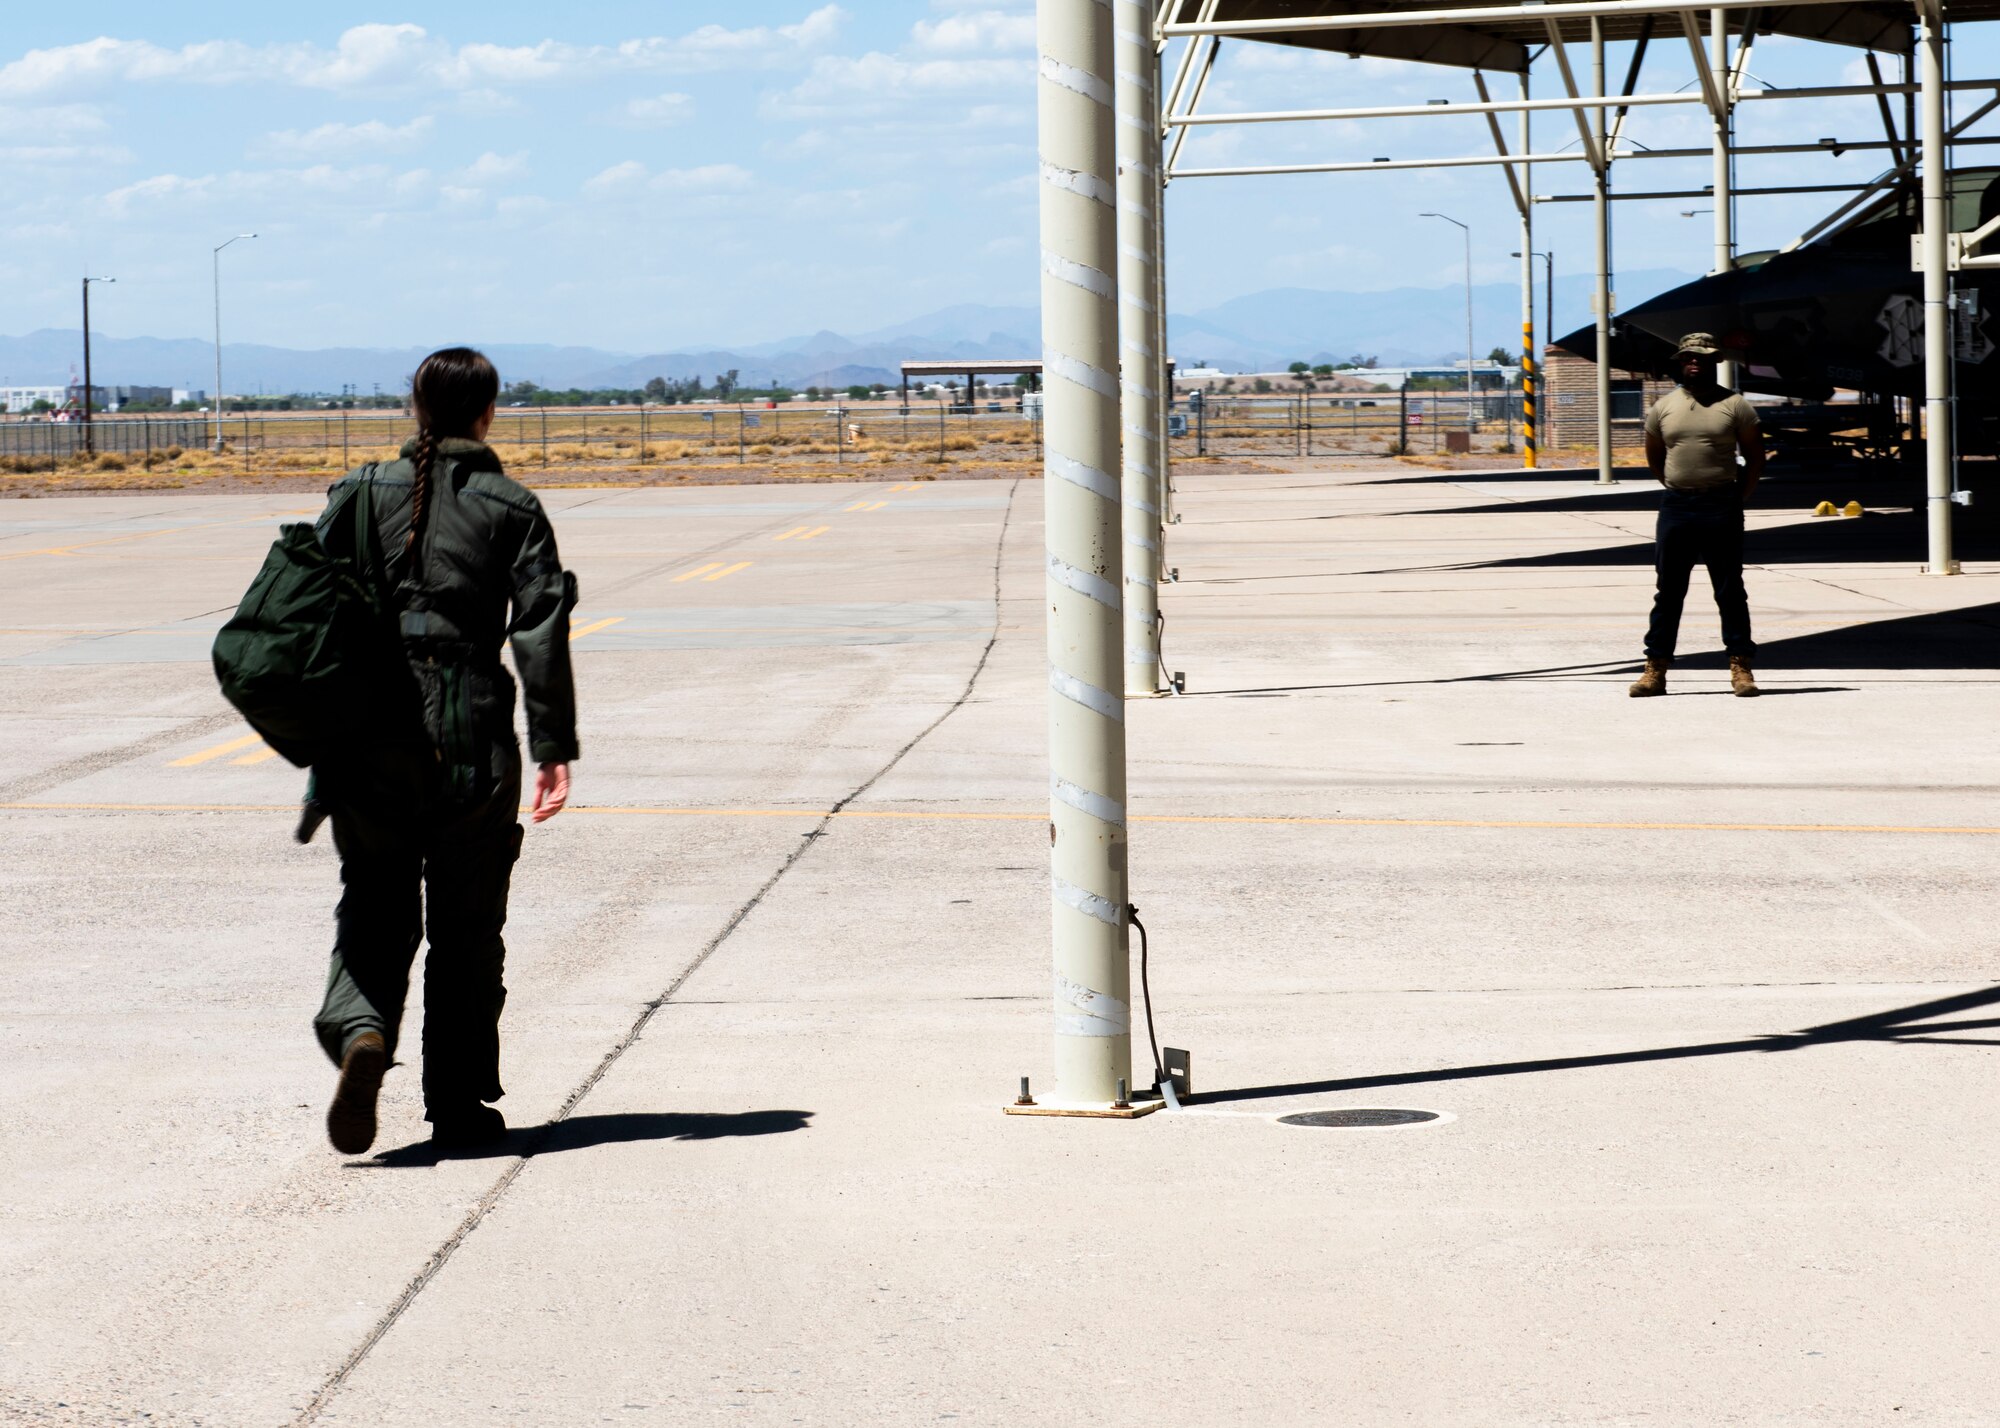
[(442, 1255)]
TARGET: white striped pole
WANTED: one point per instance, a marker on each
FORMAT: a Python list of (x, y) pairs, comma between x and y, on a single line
[(1093, 1017), (1138, 358)]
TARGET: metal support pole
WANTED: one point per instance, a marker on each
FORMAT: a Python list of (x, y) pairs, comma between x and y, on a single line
[(1723, 181), (1138, 358), (1079, 241), (1939, 462), (1162, 353), (1601, 172), (89, 444), (1530, 446)]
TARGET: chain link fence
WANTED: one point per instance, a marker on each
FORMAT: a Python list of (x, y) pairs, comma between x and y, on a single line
[(1380, 422), (542, 437)]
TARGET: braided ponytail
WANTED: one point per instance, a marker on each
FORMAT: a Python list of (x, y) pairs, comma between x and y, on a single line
[(453, 388), (426, 458)]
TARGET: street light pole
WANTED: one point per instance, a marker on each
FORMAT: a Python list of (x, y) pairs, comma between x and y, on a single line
[(1468, 312), (217, 257), (89, 445)]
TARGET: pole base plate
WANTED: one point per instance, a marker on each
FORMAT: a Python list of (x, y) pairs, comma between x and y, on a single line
[(1143, 1105)]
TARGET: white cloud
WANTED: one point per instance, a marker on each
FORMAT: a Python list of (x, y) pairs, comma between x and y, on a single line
[(51, 121), (367, 186), (658, 112), (489, 167), (408, 56), (852, 85), (65, 154), (632, 176), (331, 141), (976, 32)]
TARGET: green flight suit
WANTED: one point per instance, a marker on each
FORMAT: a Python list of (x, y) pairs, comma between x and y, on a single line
[(428, 836)]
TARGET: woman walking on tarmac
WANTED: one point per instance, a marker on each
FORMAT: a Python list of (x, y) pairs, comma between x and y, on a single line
[(427, 829)]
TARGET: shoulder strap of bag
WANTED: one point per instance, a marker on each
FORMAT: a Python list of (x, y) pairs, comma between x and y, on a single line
[(368, 540)]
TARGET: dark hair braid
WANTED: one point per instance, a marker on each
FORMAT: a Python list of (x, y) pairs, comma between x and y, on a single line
[(452, 390), (426, 458)]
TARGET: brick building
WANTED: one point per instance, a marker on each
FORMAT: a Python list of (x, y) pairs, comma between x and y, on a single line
[(1571, 391)]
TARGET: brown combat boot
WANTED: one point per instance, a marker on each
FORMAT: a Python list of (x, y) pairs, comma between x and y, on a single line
[(350, 1120), (1653, 681), (1742, 683)]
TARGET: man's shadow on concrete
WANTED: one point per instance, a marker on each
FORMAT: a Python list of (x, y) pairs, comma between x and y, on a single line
[(583, 1132), (1906, 1025), (1936, 640)]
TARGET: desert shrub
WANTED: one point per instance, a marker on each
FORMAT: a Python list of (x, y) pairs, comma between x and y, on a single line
[(762, 448), (172, 453), (110, 461)]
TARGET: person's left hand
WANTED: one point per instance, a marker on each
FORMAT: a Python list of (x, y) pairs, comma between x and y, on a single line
[(551, 791)]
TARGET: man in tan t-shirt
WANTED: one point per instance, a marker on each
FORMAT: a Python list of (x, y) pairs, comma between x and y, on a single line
[(1693, 434)]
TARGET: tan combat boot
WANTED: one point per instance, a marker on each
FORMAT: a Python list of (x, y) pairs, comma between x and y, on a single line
[(1742, 683), (1653, 681), (350, 1121)]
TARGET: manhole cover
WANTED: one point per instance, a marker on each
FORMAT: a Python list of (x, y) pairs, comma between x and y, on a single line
[(1357, 1118)]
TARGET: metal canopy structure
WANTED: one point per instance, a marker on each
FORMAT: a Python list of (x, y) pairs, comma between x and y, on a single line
[(1499, 34), (1508, 37), (1112, 120)]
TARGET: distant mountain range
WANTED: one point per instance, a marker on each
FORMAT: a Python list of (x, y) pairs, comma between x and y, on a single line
[(1259, 332)]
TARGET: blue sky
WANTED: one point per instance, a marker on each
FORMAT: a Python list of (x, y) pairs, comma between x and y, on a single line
[(651, 176)]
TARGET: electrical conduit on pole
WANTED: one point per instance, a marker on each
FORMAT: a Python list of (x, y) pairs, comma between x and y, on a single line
[(1079, 247), (1938, 455), (1602, 300), (1723, 178), (1138, 365)]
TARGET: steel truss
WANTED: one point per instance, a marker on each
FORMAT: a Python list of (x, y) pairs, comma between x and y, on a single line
[(1719, 73)]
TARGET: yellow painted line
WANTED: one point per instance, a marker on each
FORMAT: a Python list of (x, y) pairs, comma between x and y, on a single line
[(727, 570), (698, 570), (577, 634), (256, 757), (859, 506), (136, 535), (215, 753), (814, 534), (920, 815), (794, 531)]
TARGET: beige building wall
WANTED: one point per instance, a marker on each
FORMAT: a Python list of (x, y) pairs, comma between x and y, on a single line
[(1571, 387)]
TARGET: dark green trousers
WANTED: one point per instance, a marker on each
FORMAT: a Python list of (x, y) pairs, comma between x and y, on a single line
[(411, 866)]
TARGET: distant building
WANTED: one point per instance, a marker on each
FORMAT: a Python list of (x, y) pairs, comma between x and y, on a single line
[(104, 399), (20, 399)]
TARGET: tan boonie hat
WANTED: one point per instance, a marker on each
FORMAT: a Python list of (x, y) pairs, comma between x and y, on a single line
[(1701, 344)]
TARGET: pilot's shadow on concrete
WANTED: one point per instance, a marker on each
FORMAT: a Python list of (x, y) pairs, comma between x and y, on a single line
[(1910, 1025), (582, 1132)]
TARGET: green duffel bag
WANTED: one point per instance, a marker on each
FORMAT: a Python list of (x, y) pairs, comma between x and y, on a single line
[(313, 658)]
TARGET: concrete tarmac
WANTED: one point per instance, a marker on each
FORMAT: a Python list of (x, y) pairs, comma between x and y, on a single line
[(1700, 990)]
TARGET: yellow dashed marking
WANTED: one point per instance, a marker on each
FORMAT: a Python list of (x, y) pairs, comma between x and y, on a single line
[(818, 531), (867, 505), (727, 570), (591, 629), (698, 570), (794, 531), (215, 753), (256, 757)]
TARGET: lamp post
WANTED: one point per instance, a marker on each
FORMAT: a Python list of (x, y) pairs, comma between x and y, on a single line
[(217, 256), (1548, 332), (1468, 311), (88, 444)]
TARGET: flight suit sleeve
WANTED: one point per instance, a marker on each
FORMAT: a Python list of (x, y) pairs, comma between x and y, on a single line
[(544, 595)]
